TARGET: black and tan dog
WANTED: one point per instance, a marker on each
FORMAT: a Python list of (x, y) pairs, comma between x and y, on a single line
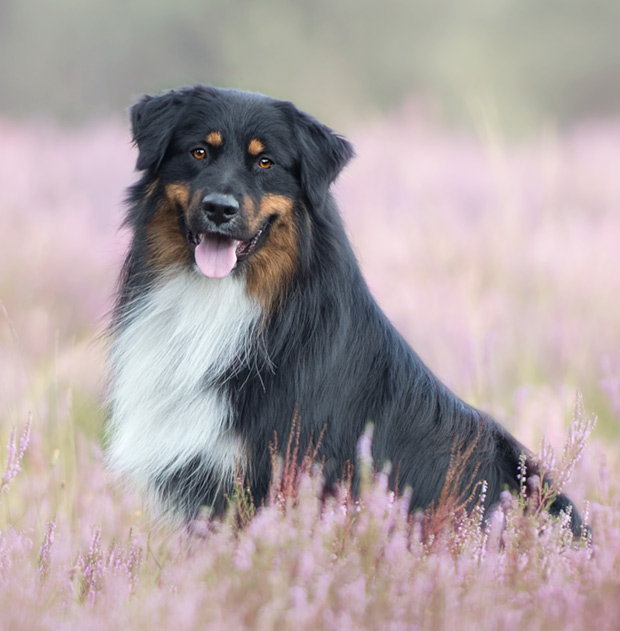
[(241, 302)]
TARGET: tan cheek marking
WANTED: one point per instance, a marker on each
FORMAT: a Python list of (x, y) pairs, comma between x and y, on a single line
[(279, 204), (273, 265), (214, 138), (256, 147), (250, 212), (164, 242), (192, 205), (177, 194), (270, 205)]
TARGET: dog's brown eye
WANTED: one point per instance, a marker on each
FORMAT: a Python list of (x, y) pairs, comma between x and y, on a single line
[(199, 153), (265, 163)]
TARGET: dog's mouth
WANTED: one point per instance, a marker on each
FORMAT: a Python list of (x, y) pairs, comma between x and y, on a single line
[(217, 254)]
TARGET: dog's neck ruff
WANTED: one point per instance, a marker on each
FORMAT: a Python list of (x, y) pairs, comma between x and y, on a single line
[(169, 355)]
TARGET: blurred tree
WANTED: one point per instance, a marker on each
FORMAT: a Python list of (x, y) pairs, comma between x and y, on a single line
[(531, 61)]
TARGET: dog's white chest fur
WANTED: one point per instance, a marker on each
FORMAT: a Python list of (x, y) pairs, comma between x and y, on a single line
[(165, 360)]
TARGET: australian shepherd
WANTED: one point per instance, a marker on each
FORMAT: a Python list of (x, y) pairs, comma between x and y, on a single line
[(241, 302)]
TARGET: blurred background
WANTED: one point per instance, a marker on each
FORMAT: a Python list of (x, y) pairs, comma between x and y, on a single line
[(532, 63), (483, 204)]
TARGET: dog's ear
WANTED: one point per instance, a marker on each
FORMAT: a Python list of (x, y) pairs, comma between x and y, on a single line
[(153, 119), (323, 154)]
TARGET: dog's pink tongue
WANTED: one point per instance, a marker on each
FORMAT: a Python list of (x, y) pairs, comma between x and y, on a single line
[(216, 255)]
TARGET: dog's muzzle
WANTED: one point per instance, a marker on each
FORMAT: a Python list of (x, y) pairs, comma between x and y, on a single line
[(220, 208)]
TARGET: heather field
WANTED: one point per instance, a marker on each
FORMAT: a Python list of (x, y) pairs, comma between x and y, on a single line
[(500, 263)]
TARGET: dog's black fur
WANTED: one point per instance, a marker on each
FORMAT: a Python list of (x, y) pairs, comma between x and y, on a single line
[(323, 346)]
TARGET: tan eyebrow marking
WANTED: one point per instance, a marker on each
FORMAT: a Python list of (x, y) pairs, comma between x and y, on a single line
[(256, 146), (214, 138)]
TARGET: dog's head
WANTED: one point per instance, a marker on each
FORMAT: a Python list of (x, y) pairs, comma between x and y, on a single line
[(231, 180)]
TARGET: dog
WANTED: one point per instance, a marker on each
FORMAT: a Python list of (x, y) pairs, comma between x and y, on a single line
[(241, 304)]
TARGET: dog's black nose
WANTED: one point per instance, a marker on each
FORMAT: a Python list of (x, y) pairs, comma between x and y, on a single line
[(220, 208)]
